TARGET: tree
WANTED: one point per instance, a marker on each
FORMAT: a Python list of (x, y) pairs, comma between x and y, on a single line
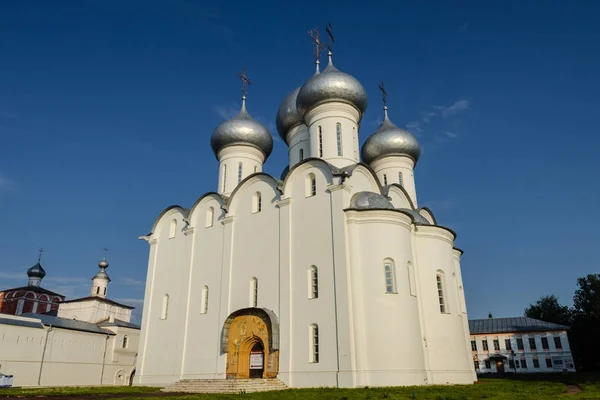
[(549, 309), (586, 301), (586, 321)]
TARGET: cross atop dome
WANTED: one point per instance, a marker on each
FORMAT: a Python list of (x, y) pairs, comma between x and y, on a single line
[(245, 82), (319, 46)]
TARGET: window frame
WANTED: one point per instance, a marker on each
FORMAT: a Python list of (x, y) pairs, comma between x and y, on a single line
[(254, 292), (313, 282), (240, 171), (210, 217), (313, 344), (256, 203), (532, 343), (320, 142), (389, 274), (473, 345), (338, 134), (485, 345), (164, 312), (204, 300), (558, 339), (441, 291)]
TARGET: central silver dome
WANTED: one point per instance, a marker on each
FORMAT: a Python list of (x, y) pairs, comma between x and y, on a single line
[(390, 140), (331, 85), (242, 130), (288, 115)]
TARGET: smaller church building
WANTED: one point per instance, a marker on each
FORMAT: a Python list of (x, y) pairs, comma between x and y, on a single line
[(46, 340)]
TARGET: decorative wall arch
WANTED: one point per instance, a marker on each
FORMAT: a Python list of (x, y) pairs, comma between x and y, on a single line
[(263, 313)]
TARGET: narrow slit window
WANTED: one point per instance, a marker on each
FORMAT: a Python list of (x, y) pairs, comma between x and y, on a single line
[(440, 290), (400, 179), (311, 185), (172, 229), (255, 169), (204, 303), (313, 280), (165, 307), (314, 343), (338, 133), (384, 179), (210, 216), (253, 292), (320, 142), (390, 276), (125, 341), (240, 169), (355, 142), (224, 176), (301, 155), (257, 206)]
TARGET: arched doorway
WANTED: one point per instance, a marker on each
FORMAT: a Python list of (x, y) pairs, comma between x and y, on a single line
[(251, 340)]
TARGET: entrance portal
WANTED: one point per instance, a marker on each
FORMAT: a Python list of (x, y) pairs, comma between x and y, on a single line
[(500, 366), (250, 341), (257, 361)]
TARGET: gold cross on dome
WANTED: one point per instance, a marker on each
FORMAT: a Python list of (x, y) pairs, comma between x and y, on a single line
[(319, 46), (245, 81)]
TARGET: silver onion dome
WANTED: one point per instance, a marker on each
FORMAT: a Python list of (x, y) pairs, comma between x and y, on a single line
[(242, 130), (331, 85), (288, 115), (390, 140)]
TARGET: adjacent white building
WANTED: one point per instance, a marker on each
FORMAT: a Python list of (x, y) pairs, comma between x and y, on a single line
[(519, 345), (330, 275), (86, 342)]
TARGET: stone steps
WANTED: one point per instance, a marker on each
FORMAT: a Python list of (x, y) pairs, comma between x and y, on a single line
[(225, 386)]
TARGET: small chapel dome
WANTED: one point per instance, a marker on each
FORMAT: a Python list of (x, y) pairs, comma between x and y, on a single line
[(418, 218), (390, 140), (242, 130), (36, 271), (331, 85), (370, 200), (288, 115)]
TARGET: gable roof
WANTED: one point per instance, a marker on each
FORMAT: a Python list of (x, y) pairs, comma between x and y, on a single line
[(512, 324), (66, 323), (101, 300)]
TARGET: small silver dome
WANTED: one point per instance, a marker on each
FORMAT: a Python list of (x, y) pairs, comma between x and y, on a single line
[(288, 115), (390, 140), (242, 130), (370, 200), (103, 264), (418, 218), (331, 85), (36, 271)]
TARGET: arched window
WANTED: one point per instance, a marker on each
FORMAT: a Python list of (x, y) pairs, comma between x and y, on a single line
[(210, 216), (338, 133), (172, 229), (411, 279), (105, 291), (165, 307), (204, 303), (441, 295), (98, 290), (301, 155), (125, 341), (313, 343), (240, 167), (311, 185), (313, 282), (253, 292), (390, 276), (257, 203), (224, 176), (400, 180), (320, 142), (384, 179)]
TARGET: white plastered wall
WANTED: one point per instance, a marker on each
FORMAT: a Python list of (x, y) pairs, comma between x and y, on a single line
[(391, 166), (230, 159)]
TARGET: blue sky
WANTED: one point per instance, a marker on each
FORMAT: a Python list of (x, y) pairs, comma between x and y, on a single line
[(107, 107)]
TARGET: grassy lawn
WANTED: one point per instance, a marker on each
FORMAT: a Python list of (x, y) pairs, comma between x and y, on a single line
[(532, 387)]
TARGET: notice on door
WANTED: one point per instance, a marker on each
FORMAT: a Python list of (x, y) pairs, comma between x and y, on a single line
[(256, 360)]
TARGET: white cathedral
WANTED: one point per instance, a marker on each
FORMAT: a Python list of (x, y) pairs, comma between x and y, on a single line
[(329, 276)]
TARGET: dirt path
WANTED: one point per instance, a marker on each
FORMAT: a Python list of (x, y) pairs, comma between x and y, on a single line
[(572, 389), (93, 396)]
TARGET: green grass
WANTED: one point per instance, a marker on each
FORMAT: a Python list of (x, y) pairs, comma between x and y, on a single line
[(530, 387)]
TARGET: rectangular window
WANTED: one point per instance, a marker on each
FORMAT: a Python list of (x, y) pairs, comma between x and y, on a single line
[(320, 142), (313, 282), (440, 289), (240, 172), (476, 364), (484, 342), (548, 362), (474, 345), (520, 344), (400, 180), (224, 176), (338, 129), (557, 342), (496, 345), (314, 343), (390, 279), (508, 344), (536, 363), (545, 343), (523, 363), (384, 180), (532, 343), (517, 364), (488, 365), (511, 364)]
